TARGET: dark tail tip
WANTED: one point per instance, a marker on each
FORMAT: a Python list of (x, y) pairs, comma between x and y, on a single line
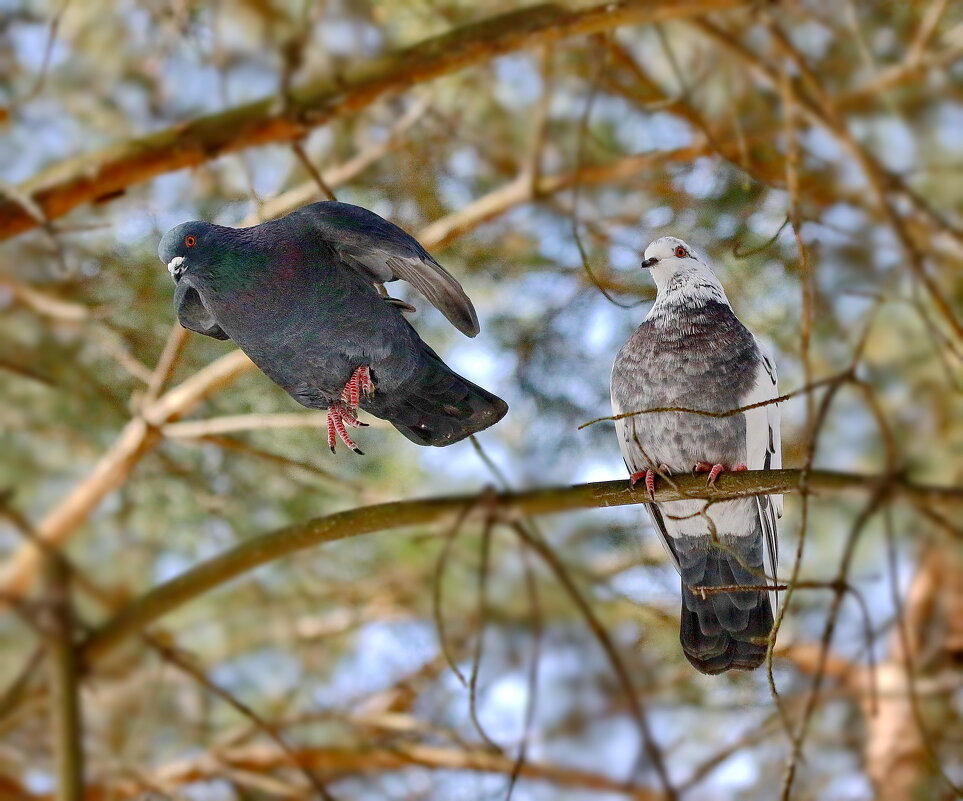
[(725, 631), (444, 421)]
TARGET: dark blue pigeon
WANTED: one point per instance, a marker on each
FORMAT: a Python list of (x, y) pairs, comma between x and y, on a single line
[(299, 295)]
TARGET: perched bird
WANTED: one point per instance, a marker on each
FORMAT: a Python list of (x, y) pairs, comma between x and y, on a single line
[(300, 296), (692, 353)]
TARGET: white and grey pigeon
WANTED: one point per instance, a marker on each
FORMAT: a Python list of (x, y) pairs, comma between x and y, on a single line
[(692, 353)]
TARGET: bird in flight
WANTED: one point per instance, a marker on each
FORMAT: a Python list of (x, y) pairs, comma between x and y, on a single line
[(692, 353), (299, 295)]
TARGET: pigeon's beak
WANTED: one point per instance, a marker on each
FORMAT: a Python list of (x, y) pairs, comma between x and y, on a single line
[(649, 263), (176, 267)]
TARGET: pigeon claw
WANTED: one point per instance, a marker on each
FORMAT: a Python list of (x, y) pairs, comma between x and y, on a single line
[(648, 476), (650, 479), (715, 470), (340, 418), (359, 384)]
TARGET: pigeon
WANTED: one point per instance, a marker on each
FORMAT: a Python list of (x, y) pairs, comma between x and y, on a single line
[(302, 297), (691, 352)]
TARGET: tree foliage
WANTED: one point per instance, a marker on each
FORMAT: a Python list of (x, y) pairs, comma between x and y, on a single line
[(463, 622)]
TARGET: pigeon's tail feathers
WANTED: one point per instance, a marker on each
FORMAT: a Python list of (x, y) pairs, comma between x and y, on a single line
[(711, 648), (726, 629), (442, 407)]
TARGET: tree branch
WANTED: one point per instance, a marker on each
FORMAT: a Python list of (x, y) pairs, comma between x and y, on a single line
[(257, 760), (137, 438), (66, 716), (93, 176), (508, 506)]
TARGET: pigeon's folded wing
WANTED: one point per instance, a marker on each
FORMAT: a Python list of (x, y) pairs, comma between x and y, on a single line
[(763, 441), (764, 449), (383, 252), (193, 314)]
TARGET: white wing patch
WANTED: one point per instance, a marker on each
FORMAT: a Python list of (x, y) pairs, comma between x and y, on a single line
[(763, 441), (764, 451)]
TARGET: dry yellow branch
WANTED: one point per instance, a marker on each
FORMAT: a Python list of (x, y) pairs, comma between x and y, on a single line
[(98, 176), (139, 436)]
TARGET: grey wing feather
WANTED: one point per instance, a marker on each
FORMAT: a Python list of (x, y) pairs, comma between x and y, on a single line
[(192, 314), (384, 252)]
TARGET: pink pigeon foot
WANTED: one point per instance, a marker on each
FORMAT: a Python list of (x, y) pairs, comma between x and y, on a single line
[(714, 470), (340, 418), (359, 384), (649, 477)]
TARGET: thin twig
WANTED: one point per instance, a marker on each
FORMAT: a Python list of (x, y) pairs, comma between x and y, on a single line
[(166, 362), (437, 586), (182, 663), (313, 171), (608, 647), (535, 610), (829, 381), (802, 728), (47, 52), (483, 612), (907, 654), (577, 187)]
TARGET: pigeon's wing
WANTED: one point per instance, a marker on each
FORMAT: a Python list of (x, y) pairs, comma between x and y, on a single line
[(763, 440), (193, 314), (383, 252), (764, 449)]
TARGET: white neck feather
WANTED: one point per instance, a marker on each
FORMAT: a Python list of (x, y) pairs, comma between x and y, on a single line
[(686, 289)]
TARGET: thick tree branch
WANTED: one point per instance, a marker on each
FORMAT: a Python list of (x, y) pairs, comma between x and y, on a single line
[(93, 176), (507, 506)]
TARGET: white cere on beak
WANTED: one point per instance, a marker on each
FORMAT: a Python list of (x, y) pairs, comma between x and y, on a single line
[(173, 266)]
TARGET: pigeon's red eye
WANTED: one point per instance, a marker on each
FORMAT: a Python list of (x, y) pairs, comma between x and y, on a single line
[(190, 241), (680, 252)]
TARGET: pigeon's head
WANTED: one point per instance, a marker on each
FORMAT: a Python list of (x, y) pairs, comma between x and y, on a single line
[(194, 246), (670, 259)]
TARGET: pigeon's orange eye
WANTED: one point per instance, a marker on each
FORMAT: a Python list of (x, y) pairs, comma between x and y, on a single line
[(190, 241), (680, 252)]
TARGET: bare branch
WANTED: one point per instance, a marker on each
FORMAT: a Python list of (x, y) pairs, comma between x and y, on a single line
[(233, 423), (66, 721), (266, 548), (75, 182), (342, 173), (137, 438)]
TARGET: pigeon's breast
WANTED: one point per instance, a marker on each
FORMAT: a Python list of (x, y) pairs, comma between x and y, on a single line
[(699, 359)]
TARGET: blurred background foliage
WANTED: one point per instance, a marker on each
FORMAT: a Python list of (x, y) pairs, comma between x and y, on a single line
[(702, 127)]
